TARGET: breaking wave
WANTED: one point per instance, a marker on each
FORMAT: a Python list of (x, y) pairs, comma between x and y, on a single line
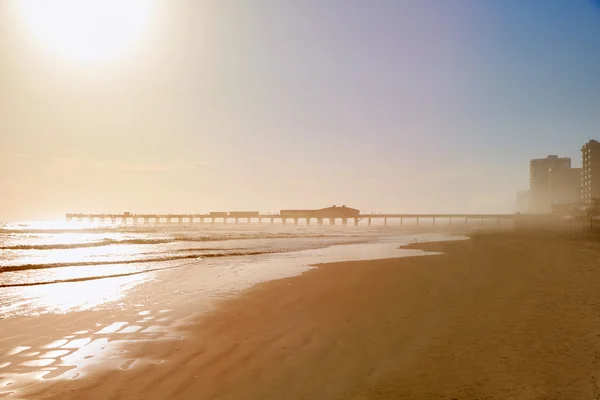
[(111, 242), (25, 267)]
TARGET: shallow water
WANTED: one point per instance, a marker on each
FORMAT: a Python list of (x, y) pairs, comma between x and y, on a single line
[(62, 270)]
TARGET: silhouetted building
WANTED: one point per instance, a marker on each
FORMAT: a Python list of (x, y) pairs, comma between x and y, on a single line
[(339, 212), (590, 174), (565, 185), (524, 202), (328, 212), (539, 180), (244, 214)]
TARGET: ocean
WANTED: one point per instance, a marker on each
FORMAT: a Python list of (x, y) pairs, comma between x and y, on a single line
[(55, 267)]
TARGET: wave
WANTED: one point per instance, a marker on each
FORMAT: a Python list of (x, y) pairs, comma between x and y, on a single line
[(66, 246), (126, 229), (25, 267), (176, 238), (87, 278), (110, 242)]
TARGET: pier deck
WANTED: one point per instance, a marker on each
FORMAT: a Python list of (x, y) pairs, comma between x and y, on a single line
[(225, 217)]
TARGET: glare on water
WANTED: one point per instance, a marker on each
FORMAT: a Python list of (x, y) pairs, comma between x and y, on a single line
[(65, 297)]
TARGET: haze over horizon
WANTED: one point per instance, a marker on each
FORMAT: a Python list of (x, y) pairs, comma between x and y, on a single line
[(390, 106)]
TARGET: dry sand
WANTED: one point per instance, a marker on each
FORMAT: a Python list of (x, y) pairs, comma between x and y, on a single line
[(501, 316)]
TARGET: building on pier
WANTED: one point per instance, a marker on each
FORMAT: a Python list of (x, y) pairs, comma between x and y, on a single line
[(244, 214), (328, 212)]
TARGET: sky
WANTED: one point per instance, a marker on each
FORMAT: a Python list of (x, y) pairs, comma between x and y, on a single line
[(386, 106)]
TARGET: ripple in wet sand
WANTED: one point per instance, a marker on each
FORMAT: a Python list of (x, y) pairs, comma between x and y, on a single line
[(130, 329), (44, 362), (58, 371), (154, 329), (17, 350), (55, 344), (128, 364), (55, 353), (77, 343), (112, 328)]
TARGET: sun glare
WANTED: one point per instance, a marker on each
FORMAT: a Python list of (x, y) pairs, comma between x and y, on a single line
[(87, 30)]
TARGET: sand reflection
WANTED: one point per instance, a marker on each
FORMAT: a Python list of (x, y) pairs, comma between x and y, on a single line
[(17, 350), (43, 362), (108, 345), (66, 297), (54, 354), (55, 344)]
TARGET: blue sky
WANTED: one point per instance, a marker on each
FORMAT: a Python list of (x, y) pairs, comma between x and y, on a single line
[(403, 106)]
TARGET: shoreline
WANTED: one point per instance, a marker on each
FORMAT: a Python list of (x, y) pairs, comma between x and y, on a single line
[(492, 317), (22, 368), (215, 276)]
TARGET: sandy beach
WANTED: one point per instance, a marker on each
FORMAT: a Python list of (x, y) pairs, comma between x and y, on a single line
[(299, 200), (503, 315)]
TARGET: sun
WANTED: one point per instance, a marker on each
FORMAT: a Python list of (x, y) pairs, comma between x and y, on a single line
[(87, 30)]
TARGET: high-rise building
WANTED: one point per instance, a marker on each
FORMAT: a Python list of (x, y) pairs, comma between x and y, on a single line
[(524, 202), (590, 174), (539, 180), (565, 185)]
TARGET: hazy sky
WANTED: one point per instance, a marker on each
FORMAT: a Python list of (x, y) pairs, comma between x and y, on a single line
[(387, 105)]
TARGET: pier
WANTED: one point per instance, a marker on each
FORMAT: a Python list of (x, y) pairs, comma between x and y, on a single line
[(326, 216)]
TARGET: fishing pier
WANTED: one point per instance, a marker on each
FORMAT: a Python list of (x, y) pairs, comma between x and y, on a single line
[(329, 215)]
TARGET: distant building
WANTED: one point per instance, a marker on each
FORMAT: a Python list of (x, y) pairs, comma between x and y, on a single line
[(539, 180), (590, 174), (524, 202), (339, 212), (565, 185), (244, 214)]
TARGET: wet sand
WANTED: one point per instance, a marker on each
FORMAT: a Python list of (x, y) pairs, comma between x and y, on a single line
[(505, 315)]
